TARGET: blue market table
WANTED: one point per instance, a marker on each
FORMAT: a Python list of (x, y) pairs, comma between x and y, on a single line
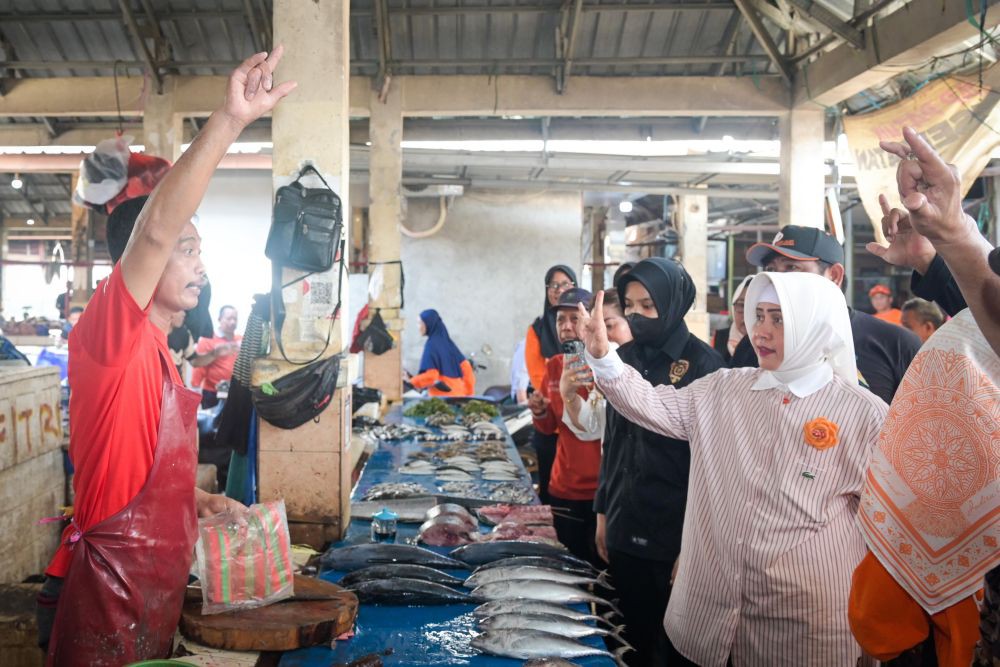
[(416, 636)]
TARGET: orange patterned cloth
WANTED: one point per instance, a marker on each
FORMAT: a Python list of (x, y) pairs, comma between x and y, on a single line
[(930, 511)]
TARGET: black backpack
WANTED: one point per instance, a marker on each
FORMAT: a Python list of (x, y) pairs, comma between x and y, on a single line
[(303, 394), (376, 337)]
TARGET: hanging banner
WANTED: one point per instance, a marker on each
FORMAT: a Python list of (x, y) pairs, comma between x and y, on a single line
[(957, 117)]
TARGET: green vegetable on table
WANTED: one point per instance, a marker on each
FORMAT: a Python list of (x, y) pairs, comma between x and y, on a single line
[(480, 406), (428, 408)]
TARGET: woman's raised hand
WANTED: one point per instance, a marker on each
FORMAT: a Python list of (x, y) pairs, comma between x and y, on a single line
[(591, 329)]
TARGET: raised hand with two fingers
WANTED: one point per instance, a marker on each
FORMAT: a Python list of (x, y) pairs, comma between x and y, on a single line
[(591, 329), (250, 92)]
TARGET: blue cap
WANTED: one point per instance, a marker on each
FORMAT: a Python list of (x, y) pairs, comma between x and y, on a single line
[(385, 515)]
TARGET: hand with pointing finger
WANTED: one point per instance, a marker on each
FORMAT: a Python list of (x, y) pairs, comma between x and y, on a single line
[(591, 329), (930, 189), (907, 247), (251, 92)]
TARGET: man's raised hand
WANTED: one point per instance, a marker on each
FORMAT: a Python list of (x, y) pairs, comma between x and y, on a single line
[(929, 189), (907, 247), (591, 329), (251, 92)]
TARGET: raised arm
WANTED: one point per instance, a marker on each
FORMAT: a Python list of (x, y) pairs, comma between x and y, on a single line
[(250, 94), (662, 409), (931, 192)]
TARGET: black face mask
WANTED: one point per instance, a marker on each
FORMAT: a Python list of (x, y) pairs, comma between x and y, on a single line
[(644, 329)]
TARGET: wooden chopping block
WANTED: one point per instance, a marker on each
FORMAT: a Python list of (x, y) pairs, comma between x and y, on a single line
[(299, 622)]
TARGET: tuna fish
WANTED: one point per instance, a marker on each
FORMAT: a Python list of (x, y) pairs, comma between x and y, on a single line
[(482, 577), (348, 559), (527, 644), (534, 589), (557, 625), (487, 552), (408, 592), (397, 571), (540, 561), (549, 662), (519, 606)]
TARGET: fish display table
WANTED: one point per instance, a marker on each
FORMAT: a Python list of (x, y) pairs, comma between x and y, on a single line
[(415, 636)]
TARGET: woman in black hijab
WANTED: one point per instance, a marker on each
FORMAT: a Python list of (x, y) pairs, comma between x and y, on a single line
[(644, 476), (541, 344)]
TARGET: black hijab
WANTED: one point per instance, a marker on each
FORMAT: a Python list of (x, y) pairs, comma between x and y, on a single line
[(672, 290), (545, 326)]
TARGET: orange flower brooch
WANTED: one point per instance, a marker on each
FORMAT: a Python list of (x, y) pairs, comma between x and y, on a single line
[(821, 433)]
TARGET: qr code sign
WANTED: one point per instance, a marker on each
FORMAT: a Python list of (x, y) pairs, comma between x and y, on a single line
[(319, 298)]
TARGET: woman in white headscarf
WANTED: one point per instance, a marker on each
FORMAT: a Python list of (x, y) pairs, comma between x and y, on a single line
[(778, 456)]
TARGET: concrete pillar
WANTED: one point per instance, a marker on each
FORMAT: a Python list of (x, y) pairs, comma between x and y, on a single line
[(802, 169), (163, 128), (310, 466), (692, 228), (385, 213)]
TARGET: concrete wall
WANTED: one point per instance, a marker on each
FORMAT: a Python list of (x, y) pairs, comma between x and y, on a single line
[(484, 270)]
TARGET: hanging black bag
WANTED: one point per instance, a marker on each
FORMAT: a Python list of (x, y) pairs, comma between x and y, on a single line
[(293, 399), (306, 225), (376, 337)]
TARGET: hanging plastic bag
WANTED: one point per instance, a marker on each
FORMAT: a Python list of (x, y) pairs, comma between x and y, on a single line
[(244, 562), (104, 172), (144, 173)]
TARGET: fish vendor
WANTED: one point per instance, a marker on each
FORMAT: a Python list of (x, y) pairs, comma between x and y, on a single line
[(114, 590), (778, 457)]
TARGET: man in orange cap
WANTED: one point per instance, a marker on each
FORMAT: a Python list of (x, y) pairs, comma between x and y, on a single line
[(881, 298)]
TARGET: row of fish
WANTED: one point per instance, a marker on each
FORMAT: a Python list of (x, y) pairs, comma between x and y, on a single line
[(463, 468), (523, 590)]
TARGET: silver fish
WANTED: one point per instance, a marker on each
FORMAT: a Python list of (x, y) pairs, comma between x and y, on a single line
[(540, 561), (534, 589), (549, 662), (500, 476), (557, 625), (520, 605), (488, 576), (526, 644)]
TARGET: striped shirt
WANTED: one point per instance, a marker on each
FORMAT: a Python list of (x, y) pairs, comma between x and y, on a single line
[(770, 540)]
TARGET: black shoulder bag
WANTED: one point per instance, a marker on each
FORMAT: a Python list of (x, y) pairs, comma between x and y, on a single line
[(293, 399), (305, 235)]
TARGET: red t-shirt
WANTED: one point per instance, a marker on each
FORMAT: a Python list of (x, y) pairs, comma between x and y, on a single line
[(116, 376), (220, 370), (578, 462)]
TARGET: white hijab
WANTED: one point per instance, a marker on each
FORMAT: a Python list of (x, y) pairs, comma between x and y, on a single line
[(819, 342), (734, 333)]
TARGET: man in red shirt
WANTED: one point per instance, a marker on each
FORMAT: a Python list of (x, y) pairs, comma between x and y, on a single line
[(222, 349), (123, 563), (578, 462)]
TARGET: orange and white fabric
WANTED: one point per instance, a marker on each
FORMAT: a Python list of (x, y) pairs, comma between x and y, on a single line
[(777, 468), (931, 507)]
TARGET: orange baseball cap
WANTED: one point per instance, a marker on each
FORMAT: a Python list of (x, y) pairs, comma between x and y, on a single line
[(879, 289)]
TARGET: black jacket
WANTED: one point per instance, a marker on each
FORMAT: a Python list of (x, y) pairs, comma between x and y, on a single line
[(882, 351), (939, 286), (644, 476)]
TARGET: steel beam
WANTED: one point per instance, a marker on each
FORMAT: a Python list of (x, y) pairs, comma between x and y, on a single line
[(764, 38), (140, 43), (829, 20)]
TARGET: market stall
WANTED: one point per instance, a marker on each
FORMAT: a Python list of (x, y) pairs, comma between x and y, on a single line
[(414, 468)]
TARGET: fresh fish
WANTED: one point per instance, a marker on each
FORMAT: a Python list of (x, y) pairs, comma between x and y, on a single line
[(399, 571), (533, 589), (500, 476), (524, 606), (424, 468), (557, 625), (410, 510), (549, 662), (387, 490), (487, 552), (526, 644), (448, 470), (540, 561), (528, 572), (408, 592), (348, 559)]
